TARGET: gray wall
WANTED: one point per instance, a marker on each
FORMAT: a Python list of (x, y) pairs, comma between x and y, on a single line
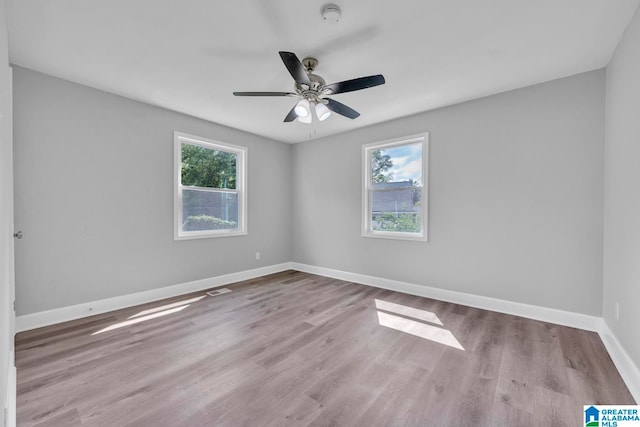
[(515, 195), (515, 198), (622, 192), (94, 197), (6, 212)]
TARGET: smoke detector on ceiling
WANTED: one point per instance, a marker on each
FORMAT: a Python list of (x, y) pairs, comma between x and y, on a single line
[(331, 13)]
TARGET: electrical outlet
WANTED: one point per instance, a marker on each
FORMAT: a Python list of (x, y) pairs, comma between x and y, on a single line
[(257, 255), (616, 311)]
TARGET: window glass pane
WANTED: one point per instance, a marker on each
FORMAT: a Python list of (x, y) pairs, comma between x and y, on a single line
[(396, 210), (209, 210), (398, 163), (206, 167), (396, 188)]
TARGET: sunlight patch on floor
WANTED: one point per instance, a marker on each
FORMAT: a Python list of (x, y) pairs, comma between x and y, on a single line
[(404, 310), (140, 319), (415, 327), (166, 307)]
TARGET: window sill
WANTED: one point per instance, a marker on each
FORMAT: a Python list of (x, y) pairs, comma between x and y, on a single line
[(208, 235), (416, 237)]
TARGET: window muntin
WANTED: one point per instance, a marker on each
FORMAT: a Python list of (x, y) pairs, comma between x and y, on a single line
[(210, 194), (394, 190)]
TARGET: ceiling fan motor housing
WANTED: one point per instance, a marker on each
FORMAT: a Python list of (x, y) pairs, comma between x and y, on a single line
[(317, 82)]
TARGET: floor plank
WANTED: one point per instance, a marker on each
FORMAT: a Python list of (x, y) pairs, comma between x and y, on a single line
[(295, 349)]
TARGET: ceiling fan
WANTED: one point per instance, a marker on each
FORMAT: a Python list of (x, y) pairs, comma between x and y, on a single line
[(313, 90)]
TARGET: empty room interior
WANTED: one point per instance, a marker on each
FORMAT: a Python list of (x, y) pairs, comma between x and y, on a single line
[(356, 213)]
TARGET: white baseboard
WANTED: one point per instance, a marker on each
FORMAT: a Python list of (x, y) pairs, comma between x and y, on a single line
[(51, 317), (551, 315), (627, 368), (10, 404)]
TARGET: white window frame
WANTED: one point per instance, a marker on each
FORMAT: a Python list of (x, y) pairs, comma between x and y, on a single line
[(180, 138), (367, 188)]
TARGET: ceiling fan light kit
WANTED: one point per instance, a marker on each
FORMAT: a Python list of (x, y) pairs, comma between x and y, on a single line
[(302, 108), (322, 112), (306, 119), (303, 111), (313, 90)]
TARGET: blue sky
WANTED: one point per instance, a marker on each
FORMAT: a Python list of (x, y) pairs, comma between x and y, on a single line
[(407, 161)]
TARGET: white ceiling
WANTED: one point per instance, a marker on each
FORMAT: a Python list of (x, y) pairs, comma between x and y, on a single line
[(190, 55)]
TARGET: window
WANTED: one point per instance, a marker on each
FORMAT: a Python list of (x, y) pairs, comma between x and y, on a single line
[(210, 188), (394, 190)]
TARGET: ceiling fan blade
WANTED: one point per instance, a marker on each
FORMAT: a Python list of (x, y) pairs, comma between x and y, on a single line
[(355, 84), (295, 67), (264, 94), (292, 115), (340, 108)]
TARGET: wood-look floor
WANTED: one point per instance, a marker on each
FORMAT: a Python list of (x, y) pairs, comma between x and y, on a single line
[(298, 349)]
